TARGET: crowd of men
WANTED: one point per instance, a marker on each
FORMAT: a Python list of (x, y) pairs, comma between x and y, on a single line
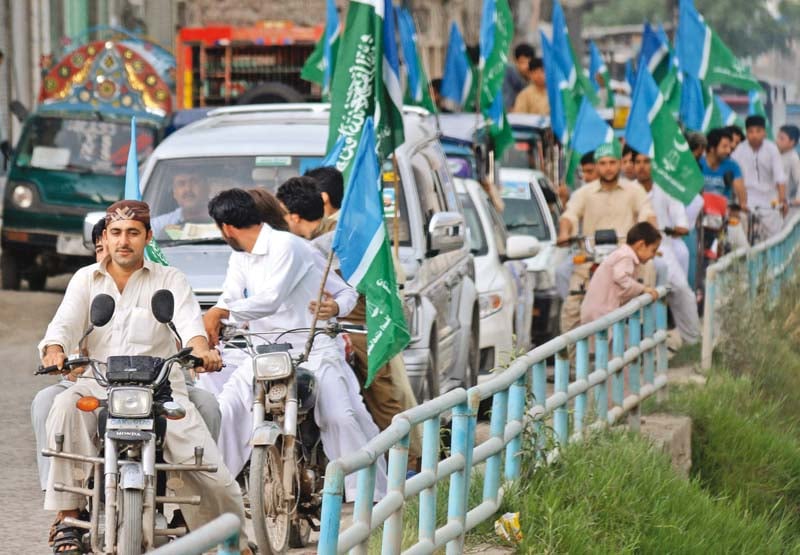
[(280, 245)]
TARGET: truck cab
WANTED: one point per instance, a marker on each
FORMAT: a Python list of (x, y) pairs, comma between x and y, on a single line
[(71, 156)]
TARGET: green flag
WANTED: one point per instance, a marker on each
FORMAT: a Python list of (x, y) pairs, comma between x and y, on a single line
[(314, 68), (389, 110), (355, 85), (320, 65), (497, 27)]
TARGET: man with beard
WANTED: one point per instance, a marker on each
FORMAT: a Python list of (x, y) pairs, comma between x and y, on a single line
[(190, 190), (271, 278), (607, 203)]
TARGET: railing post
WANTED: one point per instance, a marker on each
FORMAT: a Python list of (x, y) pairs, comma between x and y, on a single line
[(393, 527), (332, 493), (561, 414), (601, 363), (497, 428), (581, 373), (462, 443), (365, 498), (516, 413), (539, 399), (708, 319), (635, 368), (649, 330), (430, 463), (618, 351), (661, 356)]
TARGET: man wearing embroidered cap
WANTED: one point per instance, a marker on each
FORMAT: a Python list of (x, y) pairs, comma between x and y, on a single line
[(606, 203), (131, 280)]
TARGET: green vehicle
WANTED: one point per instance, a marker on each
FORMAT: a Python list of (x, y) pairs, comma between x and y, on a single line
[(72, 153)]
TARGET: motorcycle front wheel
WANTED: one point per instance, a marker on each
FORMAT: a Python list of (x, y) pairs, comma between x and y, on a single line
[(129, 535), (271, 506)]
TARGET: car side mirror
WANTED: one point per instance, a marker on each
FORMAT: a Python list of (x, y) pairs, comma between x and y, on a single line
[(102, 310), (521, 246), (89, 221), (446, 232)]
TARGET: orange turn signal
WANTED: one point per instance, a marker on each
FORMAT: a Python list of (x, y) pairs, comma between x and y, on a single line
[(88, 404), (579, 259), (733, 221)]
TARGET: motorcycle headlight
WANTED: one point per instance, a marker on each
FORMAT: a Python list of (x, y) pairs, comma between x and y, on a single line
[(712, 221), (130, 402), (489, 303), (22, 196), (272, 366), (542, 280)]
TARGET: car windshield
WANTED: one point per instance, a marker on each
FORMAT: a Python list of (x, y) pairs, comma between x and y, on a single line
[(476, 239), (81, 145), (526, 152), (522, 213), (179, 189)]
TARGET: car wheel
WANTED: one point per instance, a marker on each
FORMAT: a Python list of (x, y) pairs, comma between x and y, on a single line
[(9, 268)]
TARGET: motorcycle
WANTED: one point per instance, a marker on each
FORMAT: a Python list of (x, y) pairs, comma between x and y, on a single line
[(592, 250), (127, 488), (287, 464)]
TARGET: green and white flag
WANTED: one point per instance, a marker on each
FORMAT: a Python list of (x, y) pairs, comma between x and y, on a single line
[(320, 64), (362, 245), (653, 130), (497, 28), (389, 130), (703, 54)]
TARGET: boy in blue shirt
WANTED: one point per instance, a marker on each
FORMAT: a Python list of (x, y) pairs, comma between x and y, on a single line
[(721, 174)]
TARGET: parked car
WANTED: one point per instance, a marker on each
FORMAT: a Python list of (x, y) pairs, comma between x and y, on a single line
[(531, 208), (264, 145), (505, 295)]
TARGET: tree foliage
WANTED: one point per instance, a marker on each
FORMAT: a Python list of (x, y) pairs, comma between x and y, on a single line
[(748, 27)]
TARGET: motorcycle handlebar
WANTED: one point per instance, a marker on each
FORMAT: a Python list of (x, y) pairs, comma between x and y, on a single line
[(69, 364)]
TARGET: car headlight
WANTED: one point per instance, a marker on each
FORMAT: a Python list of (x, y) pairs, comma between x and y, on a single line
[(489, 303), (130, 402), (22, 196), (273, 366)]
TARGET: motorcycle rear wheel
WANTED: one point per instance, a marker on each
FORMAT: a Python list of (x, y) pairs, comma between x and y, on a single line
[(129, 535), (271, 506)]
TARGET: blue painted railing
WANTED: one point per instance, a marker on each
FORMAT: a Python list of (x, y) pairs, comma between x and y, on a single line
[(222, 532), (743, 274), (638, 352)]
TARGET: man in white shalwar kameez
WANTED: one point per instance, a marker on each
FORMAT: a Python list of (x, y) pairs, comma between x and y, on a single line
[(271, 278)]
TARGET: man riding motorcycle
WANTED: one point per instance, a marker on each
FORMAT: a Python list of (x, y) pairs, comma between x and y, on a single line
[(271, 277), (130, 280), (607, 203)]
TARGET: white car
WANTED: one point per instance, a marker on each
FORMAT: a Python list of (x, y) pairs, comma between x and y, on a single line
[(505, 295), (529, 211)]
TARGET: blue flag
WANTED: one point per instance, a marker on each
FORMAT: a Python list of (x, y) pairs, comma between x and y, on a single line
[(690, 41), (693, 109), (596, 64), (132, 191), (591, 130), (486, 38), (333, 156), (332, 30), (405, 24), (457, 76), (654, 50), (555, 81), (637, 130), (362, 246), (729, 117), (561, 47)]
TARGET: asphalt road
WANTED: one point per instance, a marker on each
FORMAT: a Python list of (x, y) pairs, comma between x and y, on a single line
[(23, 319)]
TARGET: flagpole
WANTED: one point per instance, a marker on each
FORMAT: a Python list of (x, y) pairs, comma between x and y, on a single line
[(396, 219), (430, 86), (313, 330)]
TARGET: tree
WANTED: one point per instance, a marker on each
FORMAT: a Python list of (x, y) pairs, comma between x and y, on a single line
[(748, 27)]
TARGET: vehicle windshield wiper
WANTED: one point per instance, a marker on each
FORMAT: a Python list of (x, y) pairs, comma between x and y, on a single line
[(518, 225), (197, 241)]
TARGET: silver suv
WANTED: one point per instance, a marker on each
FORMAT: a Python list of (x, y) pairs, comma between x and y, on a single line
[(263, 145)]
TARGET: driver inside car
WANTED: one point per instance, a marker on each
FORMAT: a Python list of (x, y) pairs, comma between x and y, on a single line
[(190, 189), (131, 281)]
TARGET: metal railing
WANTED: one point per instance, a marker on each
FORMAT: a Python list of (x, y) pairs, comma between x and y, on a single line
[(637, 333), (744, 274), (223, 531)]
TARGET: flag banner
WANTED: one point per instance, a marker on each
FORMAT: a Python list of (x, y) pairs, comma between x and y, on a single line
[(654, 52), (389, 111), (630, 74), (459, 78), (693, 109), (597, 66), (417, 90), (591, 130), (497, 26), (320, 64), (566, 59), (727, 114)]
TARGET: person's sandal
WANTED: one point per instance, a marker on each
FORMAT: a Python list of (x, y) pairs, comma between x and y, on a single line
[(67, 540)]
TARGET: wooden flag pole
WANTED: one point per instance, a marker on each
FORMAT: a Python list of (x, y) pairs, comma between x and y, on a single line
[(396, 219), (315, 319)]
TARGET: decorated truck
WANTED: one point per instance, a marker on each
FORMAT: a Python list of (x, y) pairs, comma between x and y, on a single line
[(71, 155)]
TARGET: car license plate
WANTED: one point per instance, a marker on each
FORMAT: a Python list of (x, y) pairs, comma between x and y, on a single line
[(129, 424), (71, 244)]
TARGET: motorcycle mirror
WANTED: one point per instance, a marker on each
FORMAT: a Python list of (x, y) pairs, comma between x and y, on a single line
[(163, 305), (102, 310)]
